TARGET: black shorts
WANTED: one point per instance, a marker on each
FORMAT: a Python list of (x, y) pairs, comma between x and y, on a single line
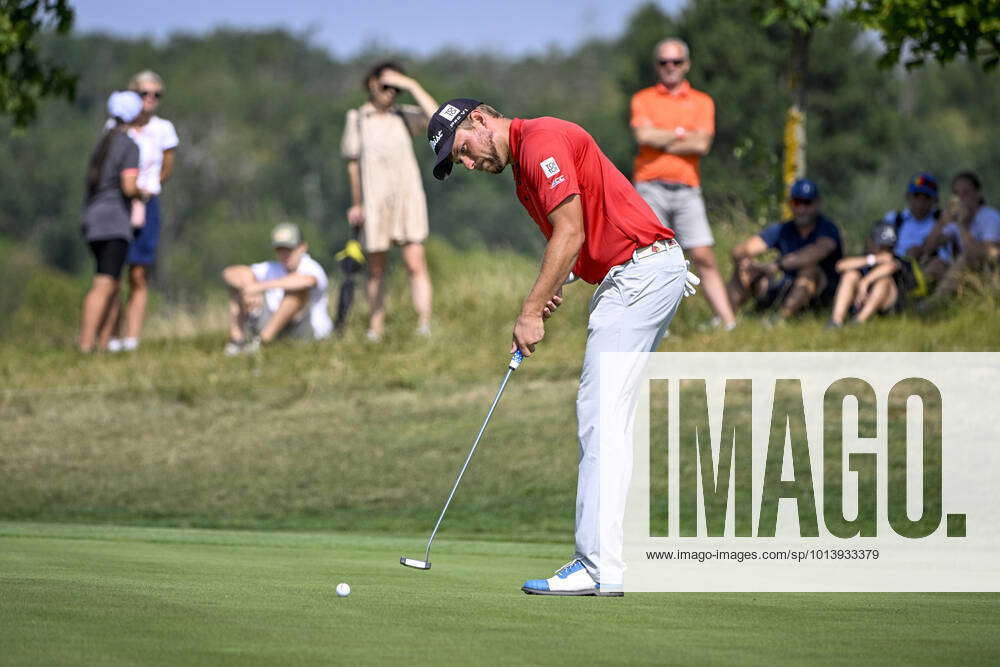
[(777, 290), (110, 256)]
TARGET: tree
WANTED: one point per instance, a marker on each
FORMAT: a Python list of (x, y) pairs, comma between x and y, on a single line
[(938, 29), (25, 76), (803, 17)]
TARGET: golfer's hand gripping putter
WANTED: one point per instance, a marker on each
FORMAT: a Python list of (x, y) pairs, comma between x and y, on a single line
[(425, 564)]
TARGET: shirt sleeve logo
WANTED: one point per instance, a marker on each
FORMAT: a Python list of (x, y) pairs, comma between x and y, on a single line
[(549, 167), (557, 181), (449, 112)]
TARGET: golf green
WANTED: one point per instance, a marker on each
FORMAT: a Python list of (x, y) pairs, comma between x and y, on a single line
[(109, 595)]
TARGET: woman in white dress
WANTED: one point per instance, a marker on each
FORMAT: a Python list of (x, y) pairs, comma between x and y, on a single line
[(387, 195)]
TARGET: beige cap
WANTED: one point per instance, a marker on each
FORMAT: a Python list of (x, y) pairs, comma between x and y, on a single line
[(286, 235)]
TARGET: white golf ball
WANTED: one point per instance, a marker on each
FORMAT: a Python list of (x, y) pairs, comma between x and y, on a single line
[(343, 589)]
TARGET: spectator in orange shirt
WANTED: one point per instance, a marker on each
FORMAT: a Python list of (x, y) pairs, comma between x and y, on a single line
[(674, 125)]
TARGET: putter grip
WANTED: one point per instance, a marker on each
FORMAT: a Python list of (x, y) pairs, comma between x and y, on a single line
[(516, 360)]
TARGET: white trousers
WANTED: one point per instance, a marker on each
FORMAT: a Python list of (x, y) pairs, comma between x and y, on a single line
[(630, 312)]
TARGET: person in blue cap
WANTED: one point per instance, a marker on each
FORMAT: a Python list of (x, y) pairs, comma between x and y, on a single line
[(915, 222), (804, 274)]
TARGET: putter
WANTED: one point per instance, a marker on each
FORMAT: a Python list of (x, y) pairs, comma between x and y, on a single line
[(425, 564)]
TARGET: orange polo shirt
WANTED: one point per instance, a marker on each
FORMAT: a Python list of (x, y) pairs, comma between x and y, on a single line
[(685, 108)]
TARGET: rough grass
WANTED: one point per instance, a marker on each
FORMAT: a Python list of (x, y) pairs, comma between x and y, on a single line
[(344, 434)]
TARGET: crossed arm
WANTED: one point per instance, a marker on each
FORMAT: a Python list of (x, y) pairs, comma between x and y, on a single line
[(293, 282), (808, 255), (241, 279), (690, 142)]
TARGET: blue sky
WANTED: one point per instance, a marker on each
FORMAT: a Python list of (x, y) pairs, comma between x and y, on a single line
[(515, 27)]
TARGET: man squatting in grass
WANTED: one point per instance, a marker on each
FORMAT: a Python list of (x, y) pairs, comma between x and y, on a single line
[(283, 298), (808, 248), (599, 227)]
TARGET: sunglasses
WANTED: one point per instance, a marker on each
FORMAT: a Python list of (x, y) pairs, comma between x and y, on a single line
[(802, 202), (150, 93), (394, 89), (676, 62)]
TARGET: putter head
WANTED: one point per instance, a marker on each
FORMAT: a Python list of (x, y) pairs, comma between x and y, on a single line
[(412, 562)]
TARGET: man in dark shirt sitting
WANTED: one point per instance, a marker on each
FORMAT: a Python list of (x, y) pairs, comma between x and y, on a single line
[(804, 274)]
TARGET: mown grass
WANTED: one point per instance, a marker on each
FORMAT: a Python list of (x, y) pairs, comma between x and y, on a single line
[(112, 595), (344, 434)]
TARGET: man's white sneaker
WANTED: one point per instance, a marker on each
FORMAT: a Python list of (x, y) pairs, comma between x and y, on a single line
[(115, 345), (571, 579)]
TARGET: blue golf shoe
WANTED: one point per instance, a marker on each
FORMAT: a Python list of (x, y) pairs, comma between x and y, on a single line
[(571, 579)]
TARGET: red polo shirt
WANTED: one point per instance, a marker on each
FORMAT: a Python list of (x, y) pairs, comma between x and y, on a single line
[(554, 159)]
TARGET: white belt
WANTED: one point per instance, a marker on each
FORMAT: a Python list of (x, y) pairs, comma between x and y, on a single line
[(653, 248)]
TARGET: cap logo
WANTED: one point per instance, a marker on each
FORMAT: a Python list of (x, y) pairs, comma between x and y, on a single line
[(549, 167), (449, 112), (436, 139)]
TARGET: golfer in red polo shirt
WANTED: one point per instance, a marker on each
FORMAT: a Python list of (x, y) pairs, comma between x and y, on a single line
[(602, 231)]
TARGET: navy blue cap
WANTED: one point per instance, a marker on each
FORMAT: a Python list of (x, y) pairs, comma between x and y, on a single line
[(441, 132), (804, 189), (924, 184), (884, 234)]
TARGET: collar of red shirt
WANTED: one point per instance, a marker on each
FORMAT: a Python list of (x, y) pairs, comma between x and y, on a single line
[(681, 90), (514, 140)]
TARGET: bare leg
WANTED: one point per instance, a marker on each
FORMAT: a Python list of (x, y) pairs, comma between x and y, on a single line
[(808, 283), (111, 324), (420, 282), (375, 291), (948, 284), (878, 297), (290, 305), (138, 297), (237, 277), (703, 258), (845, 295), (746, 282), (95, 309)]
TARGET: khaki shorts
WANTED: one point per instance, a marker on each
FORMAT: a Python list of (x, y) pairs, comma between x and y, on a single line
[(300, 328), (681, 209)]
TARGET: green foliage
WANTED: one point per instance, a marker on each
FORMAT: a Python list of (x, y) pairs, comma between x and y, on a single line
[(25, 76), (943, 30), (260, 116), (802, 15), (39, 304)]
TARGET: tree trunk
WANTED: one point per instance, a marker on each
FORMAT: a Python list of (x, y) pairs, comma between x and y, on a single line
[(795, 120)]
